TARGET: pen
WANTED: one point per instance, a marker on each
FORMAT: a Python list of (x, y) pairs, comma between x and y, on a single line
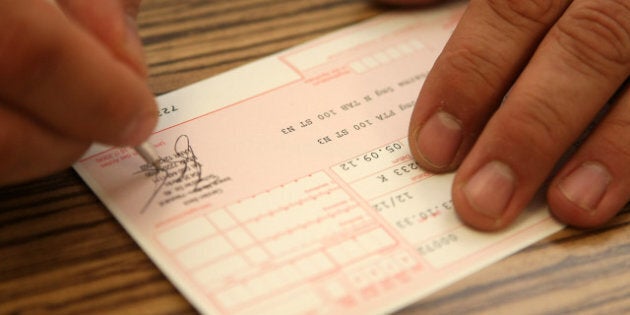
[(148, 153)]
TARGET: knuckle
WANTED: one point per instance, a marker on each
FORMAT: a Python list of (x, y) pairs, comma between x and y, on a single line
[(616, 137), (10, 48), (538, 125), (519, 12), (24, 62), (618, 125), (611, 144), (475, 63), (597, 34)]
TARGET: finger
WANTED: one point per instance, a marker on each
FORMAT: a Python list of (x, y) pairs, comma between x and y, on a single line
[(30, 150), (595, 184), (578, 66), (59, 74), (113, 23), (489, 47)]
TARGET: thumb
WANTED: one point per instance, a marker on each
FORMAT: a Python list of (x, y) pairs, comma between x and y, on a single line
[(113, 23)]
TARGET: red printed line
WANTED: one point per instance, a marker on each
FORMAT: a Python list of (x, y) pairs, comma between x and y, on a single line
[(309, 190), (306, 224), (287, 207)]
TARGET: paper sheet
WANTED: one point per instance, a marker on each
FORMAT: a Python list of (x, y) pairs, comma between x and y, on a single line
[(288, 185)]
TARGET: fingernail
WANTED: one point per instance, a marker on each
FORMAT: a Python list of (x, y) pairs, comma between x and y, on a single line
[(133, 46), (586, 185), (490, 189), (439, 139)]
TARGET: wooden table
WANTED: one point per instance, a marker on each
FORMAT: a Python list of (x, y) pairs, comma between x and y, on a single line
[(62, 252)]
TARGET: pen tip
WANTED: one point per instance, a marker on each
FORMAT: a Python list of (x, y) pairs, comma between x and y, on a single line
[(147, 152), (157, 165)]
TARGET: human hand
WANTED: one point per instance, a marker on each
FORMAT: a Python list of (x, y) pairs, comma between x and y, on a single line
[(561, 61), (69, 75)]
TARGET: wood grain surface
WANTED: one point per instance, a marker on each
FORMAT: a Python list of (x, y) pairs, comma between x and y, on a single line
[(62, 252)]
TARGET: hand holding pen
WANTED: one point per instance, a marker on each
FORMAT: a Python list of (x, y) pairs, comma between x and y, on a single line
[(71, 73)]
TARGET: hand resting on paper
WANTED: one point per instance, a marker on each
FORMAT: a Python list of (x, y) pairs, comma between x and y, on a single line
[(561, 61), (70, 74)]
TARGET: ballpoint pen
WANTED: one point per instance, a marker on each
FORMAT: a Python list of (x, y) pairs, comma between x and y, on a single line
[(148, 153)]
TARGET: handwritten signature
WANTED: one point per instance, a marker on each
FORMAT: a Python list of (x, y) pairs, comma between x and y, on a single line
[(180, 176)]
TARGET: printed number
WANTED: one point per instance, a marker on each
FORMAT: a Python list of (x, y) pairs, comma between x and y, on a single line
[(437, 244), (406, 169), (167, 110), (393, 147), (448, 205), (348, 165), (370, 156)]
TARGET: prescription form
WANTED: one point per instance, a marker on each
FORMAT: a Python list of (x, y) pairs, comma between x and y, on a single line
[(287, 186)]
